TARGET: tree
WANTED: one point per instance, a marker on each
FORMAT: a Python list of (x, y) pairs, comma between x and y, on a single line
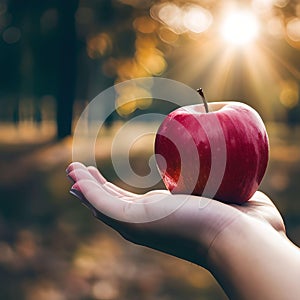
[(67, 56)]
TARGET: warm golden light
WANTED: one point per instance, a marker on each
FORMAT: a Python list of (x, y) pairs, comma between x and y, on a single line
[(293, 29), (196, 19), (289, 94), (182, 18), (240, 28)]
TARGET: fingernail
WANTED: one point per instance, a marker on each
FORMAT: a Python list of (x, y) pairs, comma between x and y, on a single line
[(76, 187), (76, 191), (68, 169)]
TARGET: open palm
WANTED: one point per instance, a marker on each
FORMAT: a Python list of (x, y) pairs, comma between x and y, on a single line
[(182, 225)]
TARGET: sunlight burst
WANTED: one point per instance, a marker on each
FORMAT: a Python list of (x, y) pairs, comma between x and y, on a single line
[(240, 28)]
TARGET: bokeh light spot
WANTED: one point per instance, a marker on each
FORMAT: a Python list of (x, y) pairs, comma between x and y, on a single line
[(132, 97), (151, 60), (293, 29), (167, 35), (99, 45), (11, 35), (281, 3), (104, 289), (289, 95), (171, 15), (144, 24), (262, 6), (3, 8), (196, 18), (275, 27)]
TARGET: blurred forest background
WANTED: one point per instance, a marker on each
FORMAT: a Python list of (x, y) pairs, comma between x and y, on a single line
[(55, 57)]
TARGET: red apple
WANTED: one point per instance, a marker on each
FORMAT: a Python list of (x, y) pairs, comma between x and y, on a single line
[(221, 154)]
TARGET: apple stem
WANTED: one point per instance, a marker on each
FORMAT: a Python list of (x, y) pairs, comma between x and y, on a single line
[(201, 93)]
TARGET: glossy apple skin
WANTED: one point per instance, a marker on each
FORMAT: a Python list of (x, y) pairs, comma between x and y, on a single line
[(240, 153)]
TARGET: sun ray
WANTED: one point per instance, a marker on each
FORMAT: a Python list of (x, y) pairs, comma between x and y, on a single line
[(284, 64), (249, 70), (219, 79), (194, 61)]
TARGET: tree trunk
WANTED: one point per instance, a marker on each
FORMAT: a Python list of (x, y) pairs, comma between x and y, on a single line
[(67, 43)]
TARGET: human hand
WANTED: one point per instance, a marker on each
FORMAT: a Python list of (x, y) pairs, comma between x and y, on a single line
[(185, 226)]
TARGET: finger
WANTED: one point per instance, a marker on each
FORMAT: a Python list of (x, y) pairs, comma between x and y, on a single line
[(97, 175), (74, 165), (82, 199), (102, 199), (147, 208), (78, 171), (260, 196), (95, 212), (260, 199), (263, 207), (153, 192), (110, 186), (79, 174), (120, 191)]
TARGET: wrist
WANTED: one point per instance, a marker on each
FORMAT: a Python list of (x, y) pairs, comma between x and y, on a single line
[(251, 260), (224, 244)]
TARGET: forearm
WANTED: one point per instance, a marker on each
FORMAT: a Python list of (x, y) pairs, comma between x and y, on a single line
[(254, 261)]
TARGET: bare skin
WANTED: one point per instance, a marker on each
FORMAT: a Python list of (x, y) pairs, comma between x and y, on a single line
[(244, 246)]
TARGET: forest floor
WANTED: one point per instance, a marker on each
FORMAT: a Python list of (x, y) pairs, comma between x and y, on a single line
[(53, 249)]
